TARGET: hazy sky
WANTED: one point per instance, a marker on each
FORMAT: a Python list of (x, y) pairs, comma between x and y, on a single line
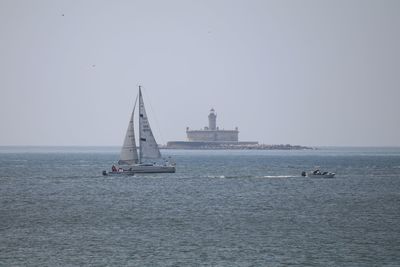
[(299, 72)]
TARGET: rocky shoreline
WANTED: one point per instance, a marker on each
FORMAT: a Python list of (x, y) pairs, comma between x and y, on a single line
[(209, 146)]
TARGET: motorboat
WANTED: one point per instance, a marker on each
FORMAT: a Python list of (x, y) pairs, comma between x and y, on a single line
[(318, 174)]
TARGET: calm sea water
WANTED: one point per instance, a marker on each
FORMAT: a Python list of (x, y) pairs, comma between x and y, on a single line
[(221, 208)]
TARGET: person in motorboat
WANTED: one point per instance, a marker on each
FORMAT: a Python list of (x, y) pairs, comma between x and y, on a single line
[(317, 172)]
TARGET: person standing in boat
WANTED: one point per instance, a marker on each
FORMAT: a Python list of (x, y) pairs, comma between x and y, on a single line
[(113, 168)]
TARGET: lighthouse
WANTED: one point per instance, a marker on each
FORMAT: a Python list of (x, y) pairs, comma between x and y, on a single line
[(212, 120)]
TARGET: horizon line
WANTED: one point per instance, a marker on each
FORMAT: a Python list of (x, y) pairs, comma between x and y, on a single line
[(321, 146)]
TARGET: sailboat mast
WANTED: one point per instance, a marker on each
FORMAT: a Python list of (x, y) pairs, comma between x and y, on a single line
[(133, 118), (140, 121)]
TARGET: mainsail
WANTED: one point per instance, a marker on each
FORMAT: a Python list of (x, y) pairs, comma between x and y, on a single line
[(129, 155), (148, 145)]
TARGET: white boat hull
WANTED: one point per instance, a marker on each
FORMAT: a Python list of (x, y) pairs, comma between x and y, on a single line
[(118, 173), (148, 168)]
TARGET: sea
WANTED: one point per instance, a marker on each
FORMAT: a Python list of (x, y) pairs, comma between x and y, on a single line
[(220, 208)]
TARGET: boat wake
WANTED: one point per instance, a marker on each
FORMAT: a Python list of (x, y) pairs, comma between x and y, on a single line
[(280, 176), (251, 176)]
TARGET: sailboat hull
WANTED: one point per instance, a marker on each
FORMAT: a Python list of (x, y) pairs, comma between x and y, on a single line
[(118, 173), (150, 168)]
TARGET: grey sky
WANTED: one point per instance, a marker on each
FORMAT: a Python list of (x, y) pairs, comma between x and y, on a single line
[(299, 72)]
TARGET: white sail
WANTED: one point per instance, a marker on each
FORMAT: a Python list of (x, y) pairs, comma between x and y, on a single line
[(129, 155), (148, 145)]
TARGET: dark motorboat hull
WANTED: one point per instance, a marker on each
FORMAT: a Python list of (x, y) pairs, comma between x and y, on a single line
[(327, 175)]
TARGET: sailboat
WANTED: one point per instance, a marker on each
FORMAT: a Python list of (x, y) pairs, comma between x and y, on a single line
[(142, 161)]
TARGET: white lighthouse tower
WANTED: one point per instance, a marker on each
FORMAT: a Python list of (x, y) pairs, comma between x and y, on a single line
[(212, 120)]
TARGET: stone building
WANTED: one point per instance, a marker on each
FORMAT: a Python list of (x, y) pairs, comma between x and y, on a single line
[(212, 133), (211, 137)]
